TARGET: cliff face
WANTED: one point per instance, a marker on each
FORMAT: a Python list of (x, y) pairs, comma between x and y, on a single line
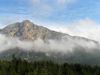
[(26, 30)]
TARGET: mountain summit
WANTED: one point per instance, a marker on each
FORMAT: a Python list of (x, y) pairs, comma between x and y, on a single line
[(27, 30)]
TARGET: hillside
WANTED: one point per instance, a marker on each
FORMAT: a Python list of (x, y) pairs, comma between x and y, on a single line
[(23, 67)]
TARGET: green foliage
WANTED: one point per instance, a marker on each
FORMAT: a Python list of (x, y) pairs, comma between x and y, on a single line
[(23, 67)]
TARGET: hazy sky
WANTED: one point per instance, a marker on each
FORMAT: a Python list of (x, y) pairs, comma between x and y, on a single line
[(45, 12)]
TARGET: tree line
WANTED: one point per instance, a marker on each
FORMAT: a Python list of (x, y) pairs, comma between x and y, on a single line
[(17, 66)]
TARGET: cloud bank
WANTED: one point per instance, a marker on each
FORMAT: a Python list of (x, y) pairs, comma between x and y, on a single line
[(84, 28), (65, 45)]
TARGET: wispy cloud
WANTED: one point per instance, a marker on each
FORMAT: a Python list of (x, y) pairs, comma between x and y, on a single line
[(46, 8), (65, 1), (40, 8), (65, 45)]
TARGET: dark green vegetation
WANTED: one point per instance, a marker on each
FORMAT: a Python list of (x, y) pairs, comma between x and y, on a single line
[(77, 56), (23, 67)]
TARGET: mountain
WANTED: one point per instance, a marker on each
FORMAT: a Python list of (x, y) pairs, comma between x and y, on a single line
[(26, 30)]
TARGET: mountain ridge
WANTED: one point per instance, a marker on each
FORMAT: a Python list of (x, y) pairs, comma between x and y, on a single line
[(27, 30)]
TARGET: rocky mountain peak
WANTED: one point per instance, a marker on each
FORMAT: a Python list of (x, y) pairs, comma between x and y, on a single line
[(27, 23), (27, 30)]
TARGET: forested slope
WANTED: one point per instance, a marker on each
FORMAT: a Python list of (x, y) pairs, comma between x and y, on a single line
[(23, 67)]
